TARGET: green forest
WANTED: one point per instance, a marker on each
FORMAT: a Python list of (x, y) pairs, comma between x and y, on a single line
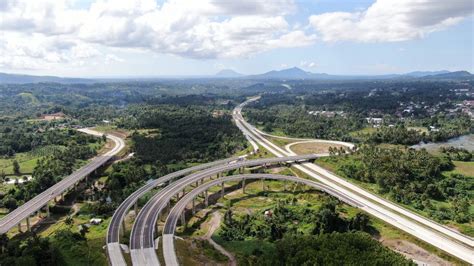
[(412, 177), (302, 235), (174, 134)]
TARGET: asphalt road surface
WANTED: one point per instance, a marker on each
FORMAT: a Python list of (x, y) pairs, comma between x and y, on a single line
[(444, 238), (169, 252), (113, 232), (142, 237)]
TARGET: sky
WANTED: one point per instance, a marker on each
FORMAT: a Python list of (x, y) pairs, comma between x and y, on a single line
[(146, 38)]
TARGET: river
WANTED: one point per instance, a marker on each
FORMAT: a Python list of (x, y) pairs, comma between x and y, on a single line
[(466, 142)]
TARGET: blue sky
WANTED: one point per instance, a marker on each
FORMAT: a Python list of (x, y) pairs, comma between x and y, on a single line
[(91, 38)]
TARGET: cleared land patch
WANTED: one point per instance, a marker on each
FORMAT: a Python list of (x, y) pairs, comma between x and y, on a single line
[(313, 147)]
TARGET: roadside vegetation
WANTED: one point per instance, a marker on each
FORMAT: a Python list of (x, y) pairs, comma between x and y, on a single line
[(414, 178), (264, 227), (302, 235)]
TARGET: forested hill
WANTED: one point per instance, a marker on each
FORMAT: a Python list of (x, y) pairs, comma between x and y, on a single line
[(171, 134)]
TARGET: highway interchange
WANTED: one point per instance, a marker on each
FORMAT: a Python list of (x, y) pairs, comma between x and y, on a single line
[(177, 184), (444, 238), (169, 252), (142, 237), (115, 226)]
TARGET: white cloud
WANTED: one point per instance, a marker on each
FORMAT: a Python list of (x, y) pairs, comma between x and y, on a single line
[(111, 58), (51, 17), (197, 29), (188, 28), (388, 20), (307, 64), (37, 51)]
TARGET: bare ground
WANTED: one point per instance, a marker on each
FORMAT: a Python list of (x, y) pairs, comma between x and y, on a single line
[(414, 252), (212, 225), (313, 147)]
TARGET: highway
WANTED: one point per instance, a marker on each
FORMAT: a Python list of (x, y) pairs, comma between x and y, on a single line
[(444, 238), (169, 251), (24, 211), (113, 231), (142, 237)]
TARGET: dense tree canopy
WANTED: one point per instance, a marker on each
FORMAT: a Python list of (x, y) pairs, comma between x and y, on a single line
[(176, 134), (351, 248), (411, 177)]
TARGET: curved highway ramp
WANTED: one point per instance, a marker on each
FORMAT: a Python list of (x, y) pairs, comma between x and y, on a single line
[(442, 237), (177, 212), (26, 210), (142, 244)]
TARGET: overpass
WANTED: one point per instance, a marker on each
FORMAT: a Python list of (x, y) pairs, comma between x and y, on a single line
[(114, 252), (24, 211), (178, 210), (446, 239), (142, 242)]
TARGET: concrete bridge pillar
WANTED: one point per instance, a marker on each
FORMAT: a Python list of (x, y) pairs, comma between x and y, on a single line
[(135, 207), (243, 186), (197, 183), (184, 192), (28, 227), (206, 198), (123, 227), (183, 219), (222, 189), (48, 214), (194, 207), (19, 227)]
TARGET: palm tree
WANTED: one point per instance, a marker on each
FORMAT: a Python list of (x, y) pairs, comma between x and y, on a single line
[(69, 221), (83, 230)]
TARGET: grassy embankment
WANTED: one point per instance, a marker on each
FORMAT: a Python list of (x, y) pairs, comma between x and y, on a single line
[(255, 200)]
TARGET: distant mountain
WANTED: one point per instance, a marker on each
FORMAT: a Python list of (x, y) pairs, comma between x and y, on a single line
[(285, 74), (6, 78), (451, 75), (290, 73), (228, 73), (425, 73), (297, 73)]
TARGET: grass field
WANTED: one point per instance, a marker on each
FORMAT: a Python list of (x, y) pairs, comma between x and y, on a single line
[(313, 147), (464, 168), (366, 130), (27, 164), (27, 160), (419, 129)]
